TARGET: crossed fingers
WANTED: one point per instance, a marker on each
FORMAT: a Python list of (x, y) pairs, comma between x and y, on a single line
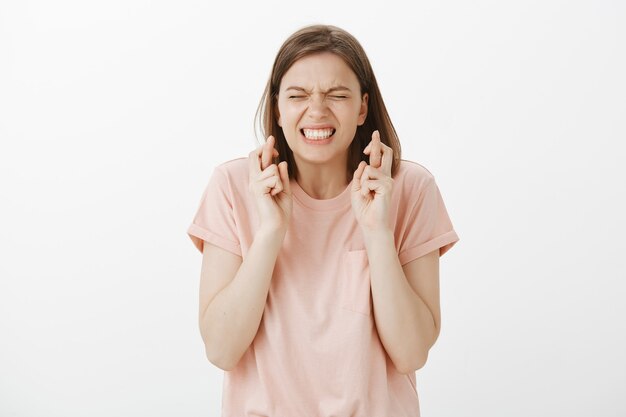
[(261, 157), (381, 155)]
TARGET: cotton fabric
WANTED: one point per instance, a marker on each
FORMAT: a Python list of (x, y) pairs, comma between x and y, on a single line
[(317, 352)]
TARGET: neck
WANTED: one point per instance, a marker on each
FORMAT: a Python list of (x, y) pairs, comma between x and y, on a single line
[(322, 181)]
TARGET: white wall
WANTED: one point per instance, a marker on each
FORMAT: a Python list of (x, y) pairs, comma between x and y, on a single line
[(113, 115)]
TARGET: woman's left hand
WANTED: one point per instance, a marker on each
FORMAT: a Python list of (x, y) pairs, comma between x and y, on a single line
[(372, 186)]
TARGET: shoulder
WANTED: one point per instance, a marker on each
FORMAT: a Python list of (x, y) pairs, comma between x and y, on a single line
[(413, 177), (233, 167), (230, 176), (234, 172)]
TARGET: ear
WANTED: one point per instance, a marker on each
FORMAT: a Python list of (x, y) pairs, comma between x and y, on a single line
[(363, 110)]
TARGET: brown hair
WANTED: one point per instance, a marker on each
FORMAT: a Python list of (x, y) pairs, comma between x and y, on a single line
[(326, 38)]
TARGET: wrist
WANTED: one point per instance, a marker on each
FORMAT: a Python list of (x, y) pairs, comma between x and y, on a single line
[(377, 235), (269, 234)]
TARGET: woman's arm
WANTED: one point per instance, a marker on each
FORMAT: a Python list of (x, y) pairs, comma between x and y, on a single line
[(406, 302), (233, 295)]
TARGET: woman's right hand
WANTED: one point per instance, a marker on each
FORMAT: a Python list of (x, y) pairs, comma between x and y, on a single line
[(269, 185)]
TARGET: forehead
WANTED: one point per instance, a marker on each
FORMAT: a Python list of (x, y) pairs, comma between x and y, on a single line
[(322, 70)]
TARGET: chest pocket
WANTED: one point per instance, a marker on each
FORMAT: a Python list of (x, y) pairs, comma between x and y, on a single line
[(356, 291)]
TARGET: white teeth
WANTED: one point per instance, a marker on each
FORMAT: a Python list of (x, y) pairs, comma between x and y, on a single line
[(318, 133)]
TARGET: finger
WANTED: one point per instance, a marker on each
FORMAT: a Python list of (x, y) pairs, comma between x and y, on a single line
[(368, 148), (387, 160), (259, 150), (356, 177), (268, 184), (268, 172), (359, 170), (278, 187), (369, 186), (253, 161), (279, 183), (284, 176), (370, 173), (266, 157), (375, 150), (255, 156), (270, 181), (365, 188)]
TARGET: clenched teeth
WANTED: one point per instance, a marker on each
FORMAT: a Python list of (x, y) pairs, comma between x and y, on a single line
[(318, 133)]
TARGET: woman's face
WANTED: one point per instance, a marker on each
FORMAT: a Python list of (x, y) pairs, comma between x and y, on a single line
[(319, 108)]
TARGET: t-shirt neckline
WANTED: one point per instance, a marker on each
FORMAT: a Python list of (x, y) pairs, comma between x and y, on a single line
[(339, 201)]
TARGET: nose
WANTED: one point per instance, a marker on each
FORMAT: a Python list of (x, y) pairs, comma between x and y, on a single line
[(317, 105)]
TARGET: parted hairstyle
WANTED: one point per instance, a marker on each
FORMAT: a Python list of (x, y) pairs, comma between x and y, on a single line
[(327, 38)]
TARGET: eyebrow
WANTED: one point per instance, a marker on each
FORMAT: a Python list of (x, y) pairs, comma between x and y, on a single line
[(337, 88)]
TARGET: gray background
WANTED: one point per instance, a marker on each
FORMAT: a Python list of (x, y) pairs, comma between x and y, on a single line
[(113, 115)]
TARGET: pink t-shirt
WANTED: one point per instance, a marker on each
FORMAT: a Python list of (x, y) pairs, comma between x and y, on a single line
[(317, 352)]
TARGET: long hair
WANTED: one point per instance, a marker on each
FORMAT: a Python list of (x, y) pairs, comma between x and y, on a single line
[(326, 38)]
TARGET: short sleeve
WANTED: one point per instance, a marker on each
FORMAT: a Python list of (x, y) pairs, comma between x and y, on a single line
[(428, 226), (214, 221)]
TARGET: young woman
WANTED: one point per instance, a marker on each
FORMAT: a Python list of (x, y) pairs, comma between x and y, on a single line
[(319, 291)]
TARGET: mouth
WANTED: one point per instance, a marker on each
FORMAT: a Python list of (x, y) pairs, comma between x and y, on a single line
[(318, 135)]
